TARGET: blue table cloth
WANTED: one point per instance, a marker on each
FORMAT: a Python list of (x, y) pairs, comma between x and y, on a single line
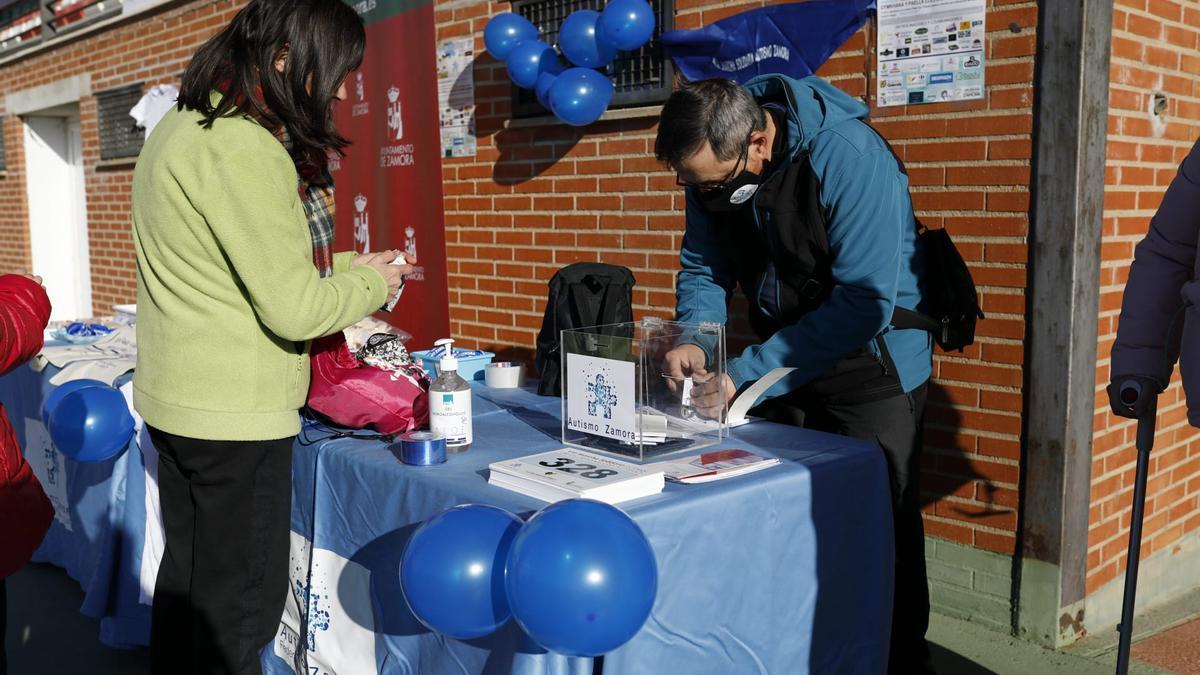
[(98, 530), (784, 571)]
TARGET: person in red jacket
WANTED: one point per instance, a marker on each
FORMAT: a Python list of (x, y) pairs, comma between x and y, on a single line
[(25, 512)]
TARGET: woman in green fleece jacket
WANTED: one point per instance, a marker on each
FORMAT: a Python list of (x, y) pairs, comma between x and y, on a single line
[(232, 222)]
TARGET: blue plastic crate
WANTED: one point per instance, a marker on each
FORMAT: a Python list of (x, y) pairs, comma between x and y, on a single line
[(469, 367)]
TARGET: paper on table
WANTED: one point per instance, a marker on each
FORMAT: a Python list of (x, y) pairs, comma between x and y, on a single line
[(104, 370), (744, 402), (120, 344)]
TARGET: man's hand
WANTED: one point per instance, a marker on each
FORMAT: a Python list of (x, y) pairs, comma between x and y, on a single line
[(683, 361), (710, 397)]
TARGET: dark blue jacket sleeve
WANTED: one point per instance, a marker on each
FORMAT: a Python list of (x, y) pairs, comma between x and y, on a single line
[(1148, 335)]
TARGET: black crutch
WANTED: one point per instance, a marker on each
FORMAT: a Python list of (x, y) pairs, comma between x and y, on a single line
[(1130, 392)]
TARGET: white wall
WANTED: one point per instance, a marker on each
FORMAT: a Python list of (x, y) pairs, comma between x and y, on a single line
[(58, 213)]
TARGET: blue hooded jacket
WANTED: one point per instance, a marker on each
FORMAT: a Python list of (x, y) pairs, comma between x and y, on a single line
[(877, 261)]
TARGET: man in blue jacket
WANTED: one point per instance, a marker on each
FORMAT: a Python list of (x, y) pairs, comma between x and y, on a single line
[(794, 198)]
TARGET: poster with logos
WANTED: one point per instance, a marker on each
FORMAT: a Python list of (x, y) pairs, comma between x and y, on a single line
[(389, 185), (456, 96), (600, 397), (930, 51)]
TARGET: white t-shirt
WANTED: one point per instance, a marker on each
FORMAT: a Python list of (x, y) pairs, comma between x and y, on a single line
[(153, 105)]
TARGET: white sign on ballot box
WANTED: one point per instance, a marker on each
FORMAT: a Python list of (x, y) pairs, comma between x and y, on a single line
[(601, 397), (328, 624), (48, 465)]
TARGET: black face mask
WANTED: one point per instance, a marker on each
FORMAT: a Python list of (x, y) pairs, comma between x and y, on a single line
[(737, 194)]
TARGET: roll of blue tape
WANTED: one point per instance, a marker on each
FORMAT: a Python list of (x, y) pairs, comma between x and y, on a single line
[(422, 448)]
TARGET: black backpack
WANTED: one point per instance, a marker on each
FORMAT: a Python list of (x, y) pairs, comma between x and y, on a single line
[(582, 295), (951, 302)]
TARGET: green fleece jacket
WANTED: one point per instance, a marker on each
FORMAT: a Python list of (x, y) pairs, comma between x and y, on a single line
[(227, 294)]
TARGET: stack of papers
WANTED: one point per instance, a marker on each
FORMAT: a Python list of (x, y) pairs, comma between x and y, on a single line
[(576, 474), (653, 429), (106, 360), (712, 466)]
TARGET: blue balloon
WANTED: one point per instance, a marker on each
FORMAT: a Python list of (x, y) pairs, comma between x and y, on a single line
[(57, 395), (542, 88), (579, 41), (505, 31), (527, 60), (91, 424), (580, 96), (581, 578), (452, 571), (627, 24)]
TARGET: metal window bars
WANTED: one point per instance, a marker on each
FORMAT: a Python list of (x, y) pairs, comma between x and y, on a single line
[(120, 137), (25, 23), (640, 77)]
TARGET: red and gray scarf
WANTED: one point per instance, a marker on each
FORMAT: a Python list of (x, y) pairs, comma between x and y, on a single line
[(319, 207), (317, 197)]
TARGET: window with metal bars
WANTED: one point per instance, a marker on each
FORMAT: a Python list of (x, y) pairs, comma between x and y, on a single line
[(642, 77), (24, 23), (120, 137)]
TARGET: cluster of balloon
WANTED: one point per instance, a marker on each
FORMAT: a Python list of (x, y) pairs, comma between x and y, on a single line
[(588, 39), (88, 420), (579, 577)]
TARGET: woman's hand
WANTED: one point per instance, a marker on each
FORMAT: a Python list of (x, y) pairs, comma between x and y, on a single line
[(383, 256)]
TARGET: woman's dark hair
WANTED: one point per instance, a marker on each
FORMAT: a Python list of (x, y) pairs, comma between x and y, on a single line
[(324, 41)]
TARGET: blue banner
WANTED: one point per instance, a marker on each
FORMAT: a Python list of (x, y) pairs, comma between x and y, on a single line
[(793, 40)]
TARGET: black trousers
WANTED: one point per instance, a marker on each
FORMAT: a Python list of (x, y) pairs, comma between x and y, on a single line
[(223, 581), (896, 424)]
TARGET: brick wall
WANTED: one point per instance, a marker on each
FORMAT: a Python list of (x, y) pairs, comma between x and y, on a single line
[(606, 198), (150, 49), (538, 197), (1154, 50), (14, 209)]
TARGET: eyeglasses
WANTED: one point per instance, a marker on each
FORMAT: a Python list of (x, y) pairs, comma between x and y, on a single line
[(712, 186)]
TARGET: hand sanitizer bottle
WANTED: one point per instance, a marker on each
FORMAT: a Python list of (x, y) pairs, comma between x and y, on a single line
[(450, 402)]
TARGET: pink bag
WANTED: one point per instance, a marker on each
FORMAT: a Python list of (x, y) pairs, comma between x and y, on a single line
[(353, 394)]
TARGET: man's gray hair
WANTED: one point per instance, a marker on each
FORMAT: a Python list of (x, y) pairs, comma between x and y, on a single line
[(717, 112)]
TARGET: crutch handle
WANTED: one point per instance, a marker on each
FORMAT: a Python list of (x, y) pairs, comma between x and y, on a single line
[(1131, 391)]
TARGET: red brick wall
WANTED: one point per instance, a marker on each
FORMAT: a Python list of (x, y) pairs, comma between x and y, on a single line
[(1154, 49), (14, 206), (153, 49), (537, 198), (607, 198)]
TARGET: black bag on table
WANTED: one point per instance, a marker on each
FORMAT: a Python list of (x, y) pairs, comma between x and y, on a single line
[(582, 295)]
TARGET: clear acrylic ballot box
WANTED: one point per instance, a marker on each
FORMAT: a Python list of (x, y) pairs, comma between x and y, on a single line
[(618, 396)]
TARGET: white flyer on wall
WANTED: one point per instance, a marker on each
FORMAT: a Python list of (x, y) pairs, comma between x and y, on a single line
[(601, 397), (456, 96), (930, 51)]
